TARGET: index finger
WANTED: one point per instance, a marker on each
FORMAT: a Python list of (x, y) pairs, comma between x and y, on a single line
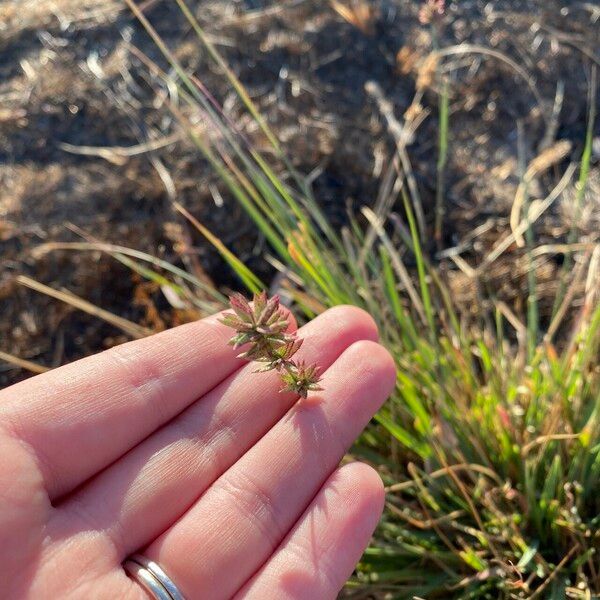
[(79, 418)]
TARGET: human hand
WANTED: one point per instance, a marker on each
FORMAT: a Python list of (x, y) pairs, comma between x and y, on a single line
[(172, 445)]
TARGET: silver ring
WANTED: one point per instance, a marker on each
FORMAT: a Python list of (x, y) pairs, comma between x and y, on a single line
[(156, 570), (147, 580)]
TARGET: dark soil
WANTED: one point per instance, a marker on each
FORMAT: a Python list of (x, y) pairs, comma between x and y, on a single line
[(67, 75)]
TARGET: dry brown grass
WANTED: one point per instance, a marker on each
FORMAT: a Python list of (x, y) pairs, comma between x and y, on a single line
[(81, 124), (17, 16)]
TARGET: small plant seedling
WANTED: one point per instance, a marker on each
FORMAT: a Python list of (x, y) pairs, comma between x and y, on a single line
[(263, 325)]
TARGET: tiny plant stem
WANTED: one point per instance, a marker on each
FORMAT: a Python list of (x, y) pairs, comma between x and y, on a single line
[(584, 172), (441, 164), (532, 305)]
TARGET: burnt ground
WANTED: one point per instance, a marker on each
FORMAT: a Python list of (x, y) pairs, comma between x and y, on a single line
[(70, 82)]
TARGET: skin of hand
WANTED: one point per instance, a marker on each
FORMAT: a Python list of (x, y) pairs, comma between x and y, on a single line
[(173, 447)]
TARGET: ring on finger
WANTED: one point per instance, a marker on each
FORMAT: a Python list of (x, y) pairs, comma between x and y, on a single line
[(158, 574), (147, 580)]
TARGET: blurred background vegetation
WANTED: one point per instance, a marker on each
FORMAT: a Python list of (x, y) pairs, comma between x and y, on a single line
[(436, 164)]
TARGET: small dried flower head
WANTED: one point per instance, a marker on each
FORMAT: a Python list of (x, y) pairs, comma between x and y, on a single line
[(263, 326), (301, 380), (359, 13), (279, 357), (427, 71), (258, 324), (431, 11), (406, 59)]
